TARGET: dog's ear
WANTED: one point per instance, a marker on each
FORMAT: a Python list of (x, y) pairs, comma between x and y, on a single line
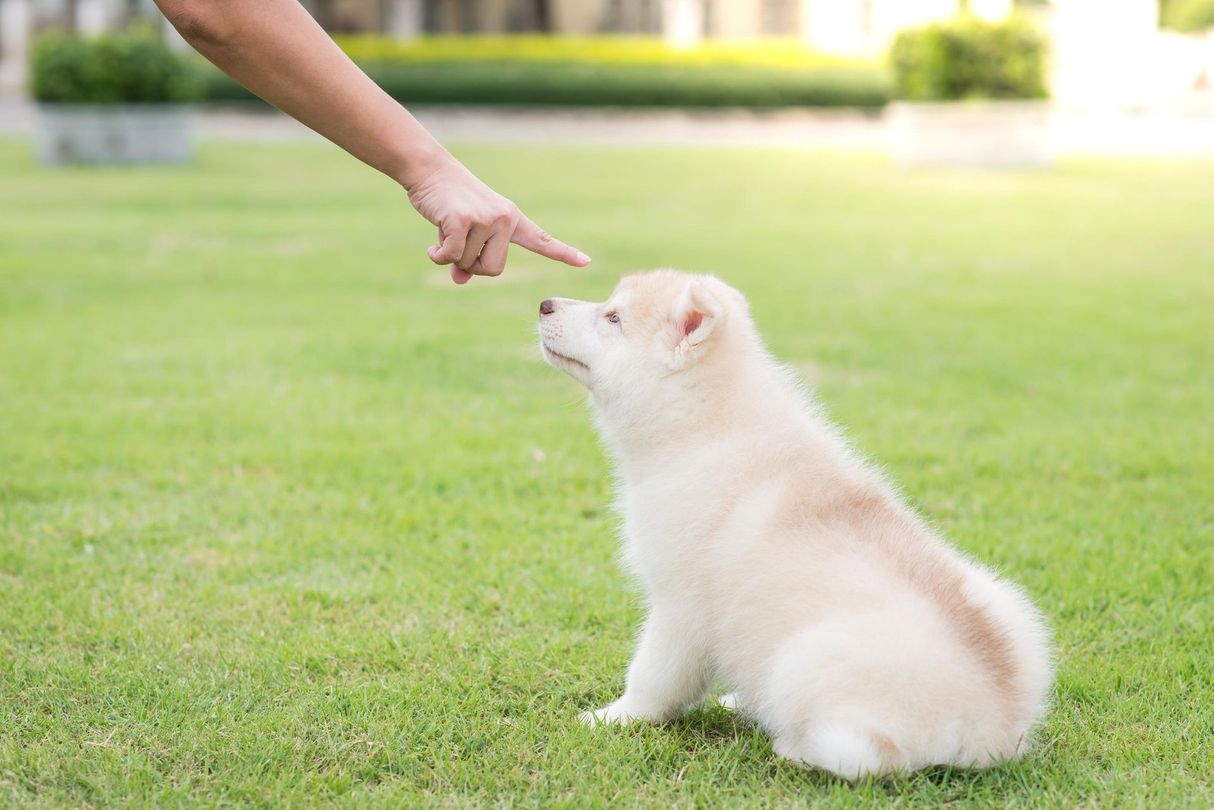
[(697, 314)]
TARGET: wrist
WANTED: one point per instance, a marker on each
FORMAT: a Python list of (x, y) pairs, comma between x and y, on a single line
[(418, 161)]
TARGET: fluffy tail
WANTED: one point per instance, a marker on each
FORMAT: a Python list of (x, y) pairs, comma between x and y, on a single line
[(846, 751)]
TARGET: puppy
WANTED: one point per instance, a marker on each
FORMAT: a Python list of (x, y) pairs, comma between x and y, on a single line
[(779, 562)]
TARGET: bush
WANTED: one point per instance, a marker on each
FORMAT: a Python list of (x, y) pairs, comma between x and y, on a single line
[(127, 68), (603, 71), (1189, 16), (969, 59)]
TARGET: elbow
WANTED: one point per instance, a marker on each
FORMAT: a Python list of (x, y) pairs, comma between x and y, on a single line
[(200, 22)]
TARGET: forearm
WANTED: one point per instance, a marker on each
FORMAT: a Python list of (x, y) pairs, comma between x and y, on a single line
[(275, 49)]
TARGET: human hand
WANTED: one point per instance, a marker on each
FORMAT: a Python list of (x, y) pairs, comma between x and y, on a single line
[(476, 224)]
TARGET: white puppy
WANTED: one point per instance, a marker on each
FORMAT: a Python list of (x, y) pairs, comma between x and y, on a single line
[(778, 561)]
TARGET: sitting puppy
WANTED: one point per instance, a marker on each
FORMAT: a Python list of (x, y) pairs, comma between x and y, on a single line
[(778, 561)]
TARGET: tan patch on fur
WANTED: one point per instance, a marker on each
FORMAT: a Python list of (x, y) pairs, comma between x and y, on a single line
[(650, 301), (851, 505), (868, 512), (888, 750), (872, 514)]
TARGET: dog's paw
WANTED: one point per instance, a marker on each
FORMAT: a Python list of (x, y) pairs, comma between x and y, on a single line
[(729, 701), (613, 714), (591, 719)]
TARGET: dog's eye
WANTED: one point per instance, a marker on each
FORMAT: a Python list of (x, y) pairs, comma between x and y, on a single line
[(613, 317)]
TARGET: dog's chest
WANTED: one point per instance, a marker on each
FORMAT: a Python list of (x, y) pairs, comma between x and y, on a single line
[(667, 520)]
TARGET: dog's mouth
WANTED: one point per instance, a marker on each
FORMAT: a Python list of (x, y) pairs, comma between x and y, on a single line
[(563, 359)]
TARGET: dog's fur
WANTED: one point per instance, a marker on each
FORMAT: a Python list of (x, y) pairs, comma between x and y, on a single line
[(777, 561)]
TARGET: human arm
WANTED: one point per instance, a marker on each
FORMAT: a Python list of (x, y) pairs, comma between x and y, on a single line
[(276, 49)]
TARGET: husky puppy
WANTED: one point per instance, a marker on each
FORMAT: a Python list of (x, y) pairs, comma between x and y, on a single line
[(776, 560)]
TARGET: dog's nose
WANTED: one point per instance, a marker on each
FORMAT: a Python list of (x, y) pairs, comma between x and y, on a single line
[(547, 307)]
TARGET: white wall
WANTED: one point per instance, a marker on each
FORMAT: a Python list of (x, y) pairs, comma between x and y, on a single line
[(993, 10), (866, 27), (97, 16), (1106, 54), (682, 22), (579, 17), (405, 18), (16, 24)]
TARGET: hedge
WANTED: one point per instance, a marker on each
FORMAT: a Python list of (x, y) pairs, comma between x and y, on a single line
[(1189, 16), (132, 67), (770, 52), (602, 72), (968, 58)]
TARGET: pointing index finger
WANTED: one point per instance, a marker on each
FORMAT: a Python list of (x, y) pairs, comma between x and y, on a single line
[(532, 237)]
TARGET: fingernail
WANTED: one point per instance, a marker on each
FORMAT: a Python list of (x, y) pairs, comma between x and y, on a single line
[(582, 257)]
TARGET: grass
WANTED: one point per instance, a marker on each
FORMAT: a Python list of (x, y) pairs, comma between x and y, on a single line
[(286, 519)]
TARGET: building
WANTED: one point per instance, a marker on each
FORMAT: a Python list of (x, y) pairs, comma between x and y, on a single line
[(1105, 53), (842, 26), (855, 27)]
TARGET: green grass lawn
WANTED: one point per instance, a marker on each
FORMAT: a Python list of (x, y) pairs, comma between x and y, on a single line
[(287, 519)]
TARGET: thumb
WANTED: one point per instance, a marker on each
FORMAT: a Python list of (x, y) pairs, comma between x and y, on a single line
[(450, 246), (532, 237)]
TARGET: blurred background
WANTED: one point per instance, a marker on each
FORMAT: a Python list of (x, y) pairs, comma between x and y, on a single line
[(287, 518), (1128, 76)]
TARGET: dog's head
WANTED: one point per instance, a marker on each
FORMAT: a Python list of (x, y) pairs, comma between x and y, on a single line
[(657, 331)]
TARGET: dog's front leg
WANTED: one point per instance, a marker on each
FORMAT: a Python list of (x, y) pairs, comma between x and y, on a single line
[(668, 674)]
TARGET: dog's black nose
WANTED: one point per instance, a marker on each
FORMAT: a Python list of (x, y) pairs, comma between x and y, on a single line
[(547, 307)]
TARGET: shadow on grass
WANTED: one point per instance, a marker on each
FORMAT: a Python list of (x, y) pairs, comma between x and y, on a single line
[(712, 723), (711, 726)]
